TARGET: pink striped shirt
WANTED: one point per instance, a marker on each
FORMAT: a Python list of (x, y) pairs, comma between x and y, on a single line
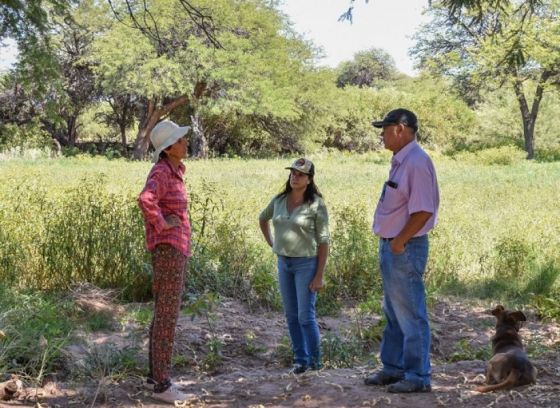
[(165, 194)]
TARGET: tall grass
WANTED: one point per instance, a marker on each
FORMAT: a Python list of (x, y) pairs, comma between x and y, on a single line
[(64, 221)]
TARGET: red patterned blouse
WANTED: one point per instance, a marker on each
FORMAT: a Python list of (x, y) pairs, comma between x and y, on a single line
[(165, 194)]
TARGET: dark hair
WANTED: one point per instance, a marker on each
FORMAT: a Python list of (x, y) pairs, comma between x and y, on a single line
[(310, 191), (163, 153)]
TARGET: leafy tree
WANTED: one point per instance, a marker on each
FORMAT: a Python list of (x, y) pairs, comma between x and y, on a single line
[(19, 124), (499, 122), (56, 73), (177, 65), (457, 7), (27, 20), (477, 10), (461, 47), (15, 106), (367, 68), (124, 108)]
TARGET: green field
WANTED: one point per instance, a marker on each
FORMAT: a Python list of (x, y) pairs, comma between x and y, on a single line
[(63, 221)]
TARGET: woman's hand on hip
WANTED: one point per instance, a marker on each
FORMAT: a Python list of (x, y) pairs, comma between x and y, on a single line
[(316, 284), (172, 221)]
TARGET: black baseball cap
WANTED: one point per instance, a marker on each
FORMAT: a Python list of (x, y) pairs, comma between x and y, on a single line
[(397, 117)]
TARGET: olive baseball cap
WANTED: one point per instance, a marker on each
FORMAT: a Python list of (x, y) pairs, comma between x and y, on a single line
[(303, 165)]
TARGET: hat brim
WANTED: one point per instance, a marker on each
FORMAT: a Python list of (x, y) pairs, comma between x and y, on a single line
[(295, 168), (380, 123), (176, 135)]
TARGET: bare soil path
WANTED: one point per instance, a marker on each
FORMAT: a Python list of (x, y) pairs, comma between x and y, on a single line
[(251, 375)]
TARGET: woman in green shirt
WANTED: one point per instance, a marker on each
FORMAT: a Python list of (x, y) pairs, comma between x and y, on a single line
[(301, 241)]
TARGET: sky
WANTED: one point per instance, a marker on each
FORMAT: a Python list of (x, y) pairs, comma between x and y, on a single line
[(386, 24), (8, 52)]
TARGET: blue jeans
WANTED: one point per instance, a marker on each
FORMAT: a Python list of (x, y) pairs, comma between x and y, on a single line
[(405, 348), (294, 277)]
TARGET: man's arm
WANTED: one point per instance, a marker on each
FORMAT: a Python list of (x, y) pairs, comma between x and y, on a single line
[(415, 223)]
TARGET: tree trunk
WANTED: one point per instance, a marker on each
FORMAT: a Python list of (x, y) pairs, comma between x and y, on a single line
[(56, 146), (142, 141), (199, 140), (529, 136), (151, 118), (122, 127), (530, 117), (71, 130)]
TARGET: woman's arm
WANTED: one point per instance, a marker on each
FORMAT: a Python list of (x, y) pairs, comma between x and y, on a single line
[(148, 200), (265, 229), (264, 222), (322, 255)]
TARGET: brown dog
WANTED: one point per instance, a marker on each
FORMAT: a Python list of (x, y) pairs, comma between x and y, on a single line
[(509, 367)]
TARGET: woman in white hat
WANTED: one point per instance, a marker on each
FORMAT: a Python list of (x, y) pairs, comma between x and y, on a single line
[(168, 237), (301, 241)]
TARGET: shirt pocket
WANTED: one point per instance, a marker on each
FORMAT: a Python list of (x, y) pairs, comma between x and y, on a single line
[(393, 199)]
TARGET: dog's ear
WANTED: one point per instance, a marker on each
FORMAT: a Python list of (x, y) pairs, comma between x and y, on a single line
[(499, 309), (518, 316)]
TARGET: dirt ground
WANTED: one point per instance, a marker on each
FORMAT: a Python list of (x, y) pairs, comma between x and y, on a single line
[(250, 374)]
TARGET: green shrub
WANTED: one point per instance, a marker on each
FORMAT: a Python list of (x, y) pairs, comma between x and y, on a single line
[(551, 154), (83, 235), (353, 262), (107, 362), (514, 258), (340, 352), (70, 151), (62, 221), (23, 137), (465, 351), (548, 308), (501, 156), (35, 327), (264, 285), (283, 352)]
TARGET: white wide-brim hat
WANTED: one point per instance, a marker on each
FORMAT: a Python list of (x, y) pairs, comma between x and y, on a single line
[(164, 134)]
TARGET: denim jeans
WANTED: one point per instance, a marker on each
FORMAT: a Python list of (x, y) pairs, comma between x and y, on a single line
[(405, 348), (294, 277)]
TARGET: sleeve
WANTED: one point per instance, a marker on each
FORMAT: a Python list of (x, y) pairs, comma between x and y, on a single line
[(322, 223), (267, 213), (423, 189), (148, 200)]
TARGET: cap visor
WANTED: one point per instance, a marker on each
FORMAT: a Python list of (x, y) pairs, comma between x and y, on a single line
[(378, 124), (293, 168)]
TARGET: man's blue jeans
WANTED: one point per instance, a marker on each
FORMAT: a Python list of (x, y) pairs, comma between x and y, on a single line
[(405, 348), (294, 276)]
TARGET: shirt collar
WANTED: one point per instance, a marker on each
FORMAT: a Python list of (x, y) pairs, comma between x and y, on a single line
[(399, 157), (180, 170)]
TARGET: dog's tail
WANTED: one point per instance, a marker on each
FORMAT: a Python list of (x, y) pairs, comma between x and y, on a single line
[(509, 382)]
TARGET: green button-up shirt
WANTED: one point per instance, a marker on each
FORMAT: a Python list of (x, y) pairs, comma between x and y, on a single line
[(300, 233)]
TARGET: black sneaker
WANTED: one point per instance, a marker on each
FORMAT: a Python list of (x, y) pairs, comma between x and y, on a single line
[(380, 378), (298, 369), (405, 386)]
